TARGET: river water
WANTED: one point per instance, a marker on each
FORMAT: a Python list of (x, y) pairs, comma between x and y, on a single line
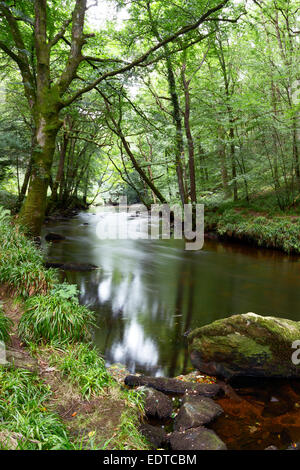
[(147, 294)]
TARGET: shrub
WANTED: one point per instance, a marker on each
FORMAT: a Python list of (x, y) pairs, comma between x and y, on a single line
[(54, 319)]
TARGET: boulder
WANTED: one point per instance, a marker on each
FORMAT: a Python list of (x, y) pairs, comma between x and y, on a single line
[(172, 386), (196, 439), (246, 345), (156, 435), (196, 411), (157, 405), (54, 237)]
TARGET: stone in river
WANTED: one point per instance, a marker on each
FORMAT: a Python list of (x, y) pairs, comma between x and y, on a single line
[(54, 237), (246, 345), (80, 267), (196, 411), (196, 439), (157, 404), (156, 435), (173, 386)]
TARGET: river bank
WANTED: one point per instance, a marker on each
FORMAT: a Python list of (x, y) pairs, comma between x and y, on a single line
[(261, 229), (55, 390)]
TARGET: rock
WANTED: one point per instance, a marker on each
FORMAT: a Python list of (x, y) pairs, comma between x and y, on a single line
[(196, 411), (21, 360), (196, 439), (54, 237), (246, 345), (271, 448), (156, 435), (71, 266), (172, 386), (157, 405)]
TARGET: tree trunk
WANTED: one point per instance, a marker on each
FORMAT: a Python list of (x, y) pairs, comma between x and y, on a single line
[(34, 208), (190, 140), (222, 155)]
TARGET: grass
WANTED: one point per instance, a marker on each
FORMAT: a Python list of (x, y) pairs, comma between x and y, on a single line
[(113, 417), (21, 264), (84, 368), (51, 318), (25, 421), (5, 326)]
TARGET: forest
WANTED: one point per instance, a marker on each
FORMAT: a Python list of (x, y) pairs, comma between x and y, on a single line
[(178, 102)]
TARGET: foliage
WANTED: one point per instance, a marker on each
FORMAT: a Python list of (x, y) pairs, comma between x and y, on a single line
[(5, 326), (84, 368), (21, 265), (55, 319), (280, 232), (23, 413)]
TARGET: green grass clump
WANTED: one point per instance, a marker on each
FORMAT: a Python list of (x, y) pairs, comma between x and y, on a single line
[(21, 263), (128, 435), (5, 326), (24, 418), (84, 368), (50, 318)]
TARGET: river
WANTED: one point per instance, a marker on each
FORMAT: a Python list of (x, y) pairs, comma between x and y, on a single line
[(147, 294)]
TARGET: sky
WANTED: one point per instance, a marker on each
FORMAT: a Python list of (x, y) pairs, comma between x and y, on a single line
[(102, 10)]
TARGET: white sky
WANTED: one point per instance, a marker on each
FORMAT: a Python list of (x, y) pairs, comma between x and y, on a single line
[(102, 10)]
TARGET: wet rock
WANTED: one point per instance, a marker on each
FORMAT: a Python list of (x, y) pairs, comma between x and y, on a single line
[(196, 411), (156, 435), (71, 266), (157, 405), (196, 439), (173, 386), (54, 237), (246, 345)]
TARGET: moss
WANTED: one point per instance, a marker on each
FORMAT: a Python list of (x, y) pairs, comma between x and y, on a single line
[(248, 341)]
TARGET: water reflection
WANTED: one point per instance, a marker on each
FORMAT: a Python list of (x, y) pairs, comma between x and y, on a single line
[(148, 294)]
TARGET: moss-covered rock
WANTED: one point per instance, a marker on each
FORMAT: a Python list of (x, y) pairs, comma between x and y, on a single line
[(246, 345)]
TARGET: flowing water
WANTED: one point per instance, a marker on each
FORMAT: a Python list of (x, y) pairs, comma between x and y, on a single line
[(147, 294)]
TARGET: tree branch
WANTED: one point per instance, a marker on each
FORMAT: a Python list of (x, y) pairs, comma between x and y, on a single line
[(144, 57)]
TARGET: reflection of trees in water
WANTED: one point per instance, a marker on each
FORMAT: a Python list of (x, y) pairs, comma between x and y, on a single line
[(183, 307)]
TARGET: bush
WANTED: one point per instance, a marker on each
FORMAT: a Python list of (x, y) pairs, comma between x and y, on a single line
[(5, 327), (54, 319)]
